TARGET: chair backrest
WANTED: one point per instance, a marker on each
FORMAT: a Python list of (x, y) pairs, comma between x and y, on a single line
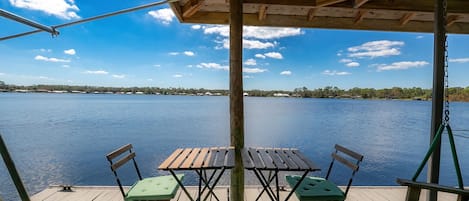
[(115, 164), (352, 161)]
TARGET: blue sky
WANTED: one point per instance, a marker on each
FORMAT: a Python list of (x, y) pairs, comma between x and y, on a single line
[(152, 48)]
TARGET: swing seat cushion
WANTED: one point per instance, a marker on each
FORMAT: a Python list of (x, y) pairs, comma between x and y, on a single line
[(154, 188), (315, 189)]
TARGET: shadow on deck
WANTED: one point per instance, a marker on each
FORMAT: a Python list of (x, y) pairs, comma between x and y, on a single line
[(112, 193)]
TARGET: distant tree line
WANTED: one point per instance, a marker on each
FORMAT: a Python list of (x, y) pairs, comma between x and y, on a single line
[(416, 93)]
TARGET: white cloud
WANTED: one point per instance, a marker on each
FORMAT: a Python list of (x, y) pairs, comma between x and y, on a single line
[(334, 72), (164, 15), (250, 62), (248, 77), (212, 66), (65, 9), (173, 53), (419, 37), (66, 66), (254, 70), (50, 59), (264, 33), (190, 66), (157, 65), (177, 75), (345, 60), (2, 73), (374, 49), (403, 65), (189, 53), (196, 27), (70, 52), (247, 44), (45, 50), (274, 55), (287, 72), (260, 56), (459, 60), (150, 80), (255, 44), (96, 72), (353, 64), (122, 76)]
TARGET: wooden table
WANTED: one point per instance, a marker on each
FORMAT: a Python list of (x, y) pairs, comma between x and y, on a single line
[(274, 160), (216, 159)]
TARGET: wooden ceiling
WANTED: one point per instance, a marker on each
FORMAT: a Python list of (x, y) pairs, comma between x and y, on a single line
[(381, 15)]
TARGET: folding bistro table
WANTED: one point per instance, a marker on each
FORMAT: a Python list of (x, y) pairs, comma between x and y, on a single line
[(275, 160), (201, 160)]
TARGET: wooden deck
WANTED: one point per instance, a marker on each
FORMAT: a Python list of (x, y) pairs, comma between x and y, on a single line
[(112, 193)]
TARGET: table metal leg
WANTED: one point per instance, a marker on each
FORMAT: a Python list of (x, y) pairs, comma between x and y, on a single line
[(271, 178), (203, 178), (180, 184), (264, 184), (210, 189), (296, 185)]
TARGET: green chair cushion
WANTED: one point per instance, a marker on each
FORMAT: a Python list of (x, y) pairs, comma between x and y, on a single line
[(154, 188), (315, 189)]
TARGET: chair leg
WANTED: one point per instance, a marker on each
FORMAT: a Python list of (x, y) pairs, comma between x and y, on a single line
[(413, 193)]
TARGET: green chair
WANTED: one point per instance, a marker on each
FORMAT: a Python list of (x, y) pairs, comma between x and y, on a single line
[(148, 189), (321, 189)]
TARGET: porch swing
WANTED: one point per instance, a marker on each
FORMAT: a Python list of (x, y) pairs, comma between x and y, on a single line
[(414, 187)]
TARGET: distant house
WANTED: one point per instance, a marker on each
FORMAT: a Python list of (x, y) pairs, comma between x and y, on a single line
[(281, 95), (245, 94)]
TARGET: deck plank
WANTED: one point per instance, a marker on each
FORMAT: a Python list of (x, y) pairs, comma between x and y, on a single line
[(112, 193)]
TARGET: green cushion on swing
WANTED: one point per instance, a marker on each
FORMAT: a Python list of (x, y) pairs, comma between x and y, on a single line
[(154, 188), (315, 189)]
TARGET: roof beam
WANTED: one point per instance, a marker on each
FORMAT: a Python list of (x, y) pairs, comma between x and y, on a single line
[(262, 12), (322, 3), (311, 14), (452, 19), (191, 7), (358, 3), (454, 6), (25, 21), (406, 18), (360, 16)]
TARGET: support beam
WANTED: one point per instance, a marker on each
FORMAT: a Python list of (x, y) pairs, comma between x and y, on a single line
[(360, 15), (262, 12), (31, 23), (358, 3), (191, 7), (236, 98), (311, 14), (12, 171), (452, 19), (433, 174), (406, 18), (322, 3)]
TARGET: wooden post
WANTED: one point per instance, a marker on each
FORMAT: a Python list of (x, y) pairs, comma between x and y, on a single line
[(236, 97), (437, 93)]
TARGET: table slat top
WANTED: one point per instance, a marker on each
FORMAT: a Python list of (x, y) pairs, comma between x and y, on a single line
[(199, 158), (277, 159)]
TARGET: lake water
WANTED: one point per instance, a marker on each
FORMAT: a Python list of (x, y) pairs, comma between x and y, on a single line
[(63, 138)]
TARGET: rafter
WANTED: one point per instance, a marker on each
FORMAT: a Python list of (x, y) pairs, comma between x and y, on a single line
[(360, 15), (191, 7), (358, 3), (406, 18), (452, 19), (311, 14), (322, 3), (262, 12)]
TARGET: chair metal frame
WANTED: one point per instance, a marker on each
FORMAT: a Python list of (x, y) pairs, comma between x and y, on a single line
[(354, 166), (123, 160)]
